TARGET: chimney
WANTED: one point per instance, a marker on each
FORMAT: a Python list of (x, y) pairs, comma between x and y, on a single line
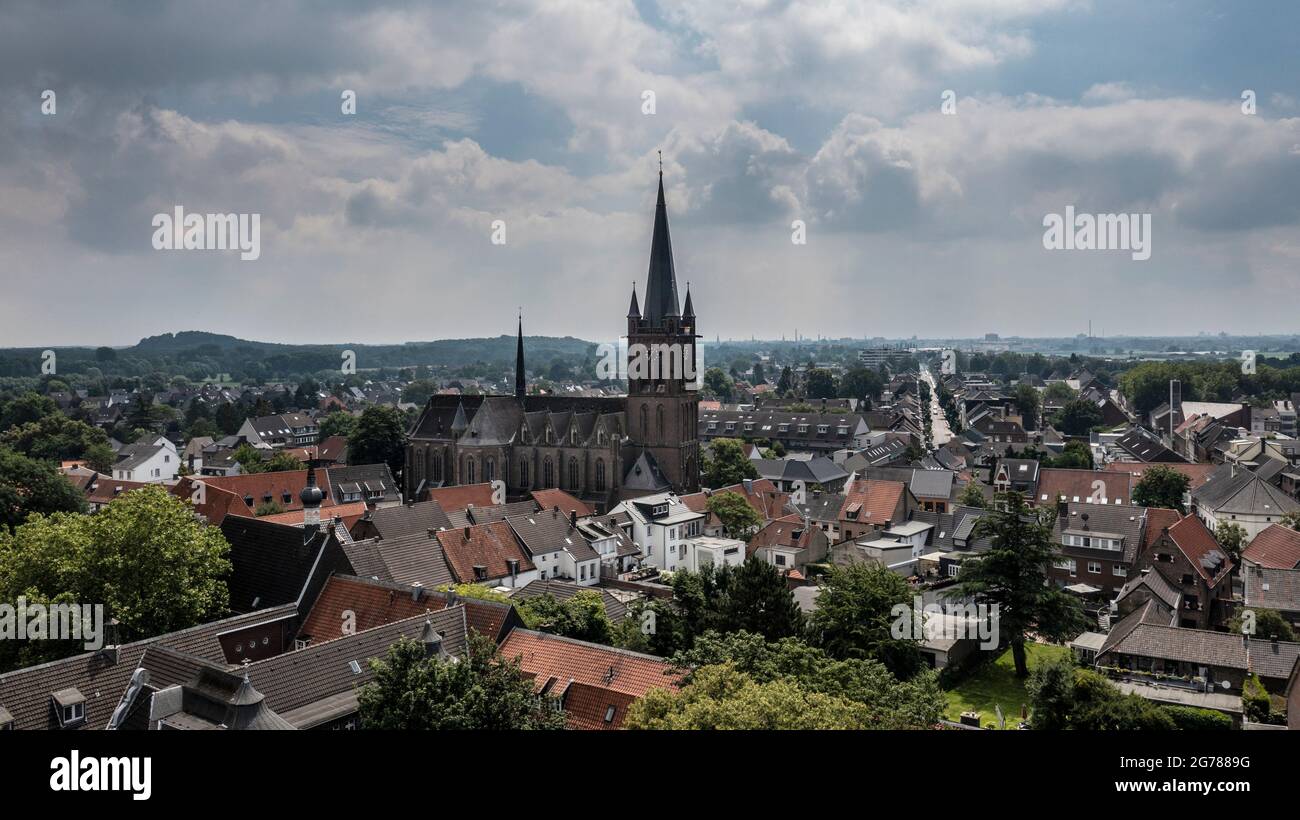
[(467, 533), (432, 532), (1062, 508), (453, 597), (432, 640), (513, 564), (573, 518), (417, 592)]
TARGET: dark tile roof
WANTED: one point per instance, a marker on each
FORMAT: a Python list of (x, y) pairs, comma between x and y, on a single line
[(1270, 588), (417, 558), (551, 531), (405, 519), (1125, 523), (270, 563), (26, 693)]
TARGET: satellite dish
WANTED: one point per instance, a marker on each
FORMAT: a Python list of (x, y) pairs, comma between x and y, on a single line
[(1226, 684)]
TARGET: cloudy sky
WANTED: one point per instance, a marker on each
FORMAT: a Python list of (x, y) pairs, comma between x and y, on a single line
[(377, 227)]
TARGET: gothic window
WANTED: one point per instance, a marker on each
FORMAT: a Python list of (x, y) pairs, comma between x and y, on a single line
[(659, 422), (490, 469), (600, 475), (573, 474), (523, 433), (600, 437), (419, 464), (550, 435), (437, 466), (469, 471), (645, 424), (548, 474), (573, 435), (523, 473)]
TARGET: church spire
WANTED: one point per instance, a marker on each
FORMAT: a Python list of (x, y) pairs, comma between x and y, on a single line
[(688, 312), (661, 287), (520, 387), (634, 310)]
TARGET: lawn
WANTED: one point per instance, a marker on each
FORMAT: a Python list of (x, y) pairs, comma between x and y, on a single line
[(997, 684)]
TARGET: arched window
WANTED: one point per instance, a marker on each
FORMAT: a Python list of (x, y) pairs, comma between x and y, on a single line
[(490, 469), (469, 470), (419, 464), (573, 474), (437, 466), (600, 475), (645, 424), (548, 474), (659, 421), (523, 472)]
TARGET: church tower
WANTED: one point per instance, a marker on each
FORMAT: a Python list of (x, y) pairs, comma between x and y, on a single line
[(663, 401)]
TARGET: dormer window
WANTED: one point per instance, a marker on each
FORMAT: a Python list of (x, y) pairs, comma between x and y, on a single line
[(69, 706)]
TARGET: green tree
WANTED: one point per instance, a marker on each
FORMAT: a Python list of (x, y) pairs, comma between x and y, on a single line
[(27, 408), (917, 703), (249, 459), (1269, 625), (1078, 417), (1059, 391), (100, 457), (719, 385), (757, 599), (1232, 537), (971, 496), (1162, 486), (739, 519), (380, 438), (268, 508), (28, 486), (338, 423), (785, 383), (153, 565), (855, 615), (821, 384), (861, 383), (581, 616), (229, 419), (1075, 455), (720, 697), (725, 463), (281, 461), (1066, 697), (1027, 404), (53, 438), (1013, 575), (483, 690)]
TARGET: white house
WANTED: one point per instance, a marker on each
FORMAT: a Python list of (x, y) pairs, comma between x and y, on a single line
[(661, 524), (557, 546), (696, 553), (284, 430), (149, 460)]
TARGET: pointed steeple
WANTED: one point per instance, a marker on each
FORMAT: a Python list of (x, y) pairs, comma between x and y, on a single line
[(688, 312), (520, 387), (311, 497), (661, 287), (634, 311), (459, 424)]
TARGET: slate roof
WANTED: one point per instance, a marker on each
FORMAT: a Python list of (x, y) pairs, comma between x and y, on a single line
[(1197, 473), (1146, 447), (406, 519), (1272, 588), (298, 679), (551, 531), (812, 471), (26, 693), (1156, 584), (417, 558), (1123, 522), (1244, 493), (1276, 547), (270, 563)]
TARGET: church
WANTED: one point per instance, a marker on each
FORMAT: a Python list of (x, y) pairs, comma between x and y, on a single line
[(601, 450)]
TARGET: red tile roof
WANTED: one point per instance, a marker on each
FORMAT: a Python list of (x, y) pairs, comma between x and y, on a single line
[(1196, 541), (375, 603), (549, 499), (872, 501), (1198, 473), (489, 545), (283, 487), (780, 532), (106, 488), (350, 513), (1158, 519), (458, 498), (1077, 486), (601, 676), (213, 503), (1277, 547)]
